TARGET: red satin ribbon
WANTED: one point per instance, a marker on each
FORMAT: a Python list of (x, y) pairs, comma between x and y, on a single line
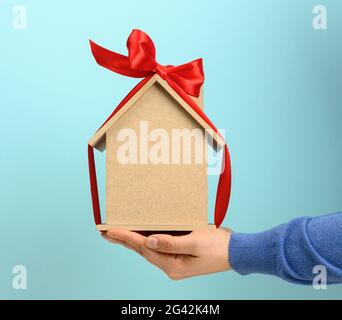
[(141, 62), (186, 79)]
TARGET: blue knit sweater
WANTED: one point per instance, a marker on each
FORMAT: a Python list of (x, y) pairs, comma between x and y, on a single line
[(291, 251)]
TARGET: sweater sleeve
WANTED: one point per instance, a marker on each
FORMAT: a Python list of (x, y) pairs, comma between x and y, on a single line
[(291, 251)]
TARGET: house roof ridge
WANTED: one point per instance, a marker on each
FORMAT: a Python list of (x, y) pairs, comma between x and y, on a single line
[(136, 93)]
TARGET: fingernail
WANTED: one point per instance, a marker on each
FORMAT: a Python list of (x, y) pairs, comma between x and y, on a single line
[(152, 243)]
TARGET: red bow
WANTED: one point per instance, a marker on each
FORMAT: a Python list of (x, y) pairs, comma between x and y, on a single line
[(141, 62)]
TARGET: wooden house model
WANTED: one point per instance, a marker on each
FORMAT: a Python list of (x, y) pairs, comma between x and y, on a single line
[(154, 197)]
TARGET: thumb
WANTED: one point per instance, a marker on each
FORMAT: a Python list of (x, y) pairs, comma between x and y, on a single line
[(172, 244)]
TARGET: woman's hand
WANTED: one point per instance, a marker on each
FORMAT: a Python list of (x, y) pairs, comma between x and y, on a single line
[(200, 252)]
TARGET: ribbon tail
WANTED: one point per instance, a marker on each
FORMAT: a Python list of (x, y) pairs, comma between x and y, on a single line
[(189, 76), (115, 62), (223, 189), (93, 186)]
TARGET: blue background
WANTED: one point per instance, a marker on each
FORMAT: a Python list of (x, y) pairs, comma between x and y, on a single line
[(272, 81)]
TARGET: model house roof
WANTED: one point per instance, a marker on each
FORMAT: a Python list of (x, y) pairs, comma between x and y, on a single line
[(98, 140)]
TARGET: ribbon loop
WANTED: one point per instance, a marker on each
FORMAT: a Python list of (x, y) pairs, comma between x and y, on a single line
[(141, 62), (141, 52)]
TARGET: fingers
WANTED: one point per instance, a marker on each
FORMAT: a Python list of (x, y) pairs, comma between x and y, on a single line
[(173, 265), (130, 238), (116, 241), (108, 238), (173, 244), (135, 242), (164, 256)]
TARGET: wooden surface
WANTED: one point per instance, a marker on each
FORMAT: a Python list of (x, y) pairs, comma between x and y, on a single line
[(155, 195)]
